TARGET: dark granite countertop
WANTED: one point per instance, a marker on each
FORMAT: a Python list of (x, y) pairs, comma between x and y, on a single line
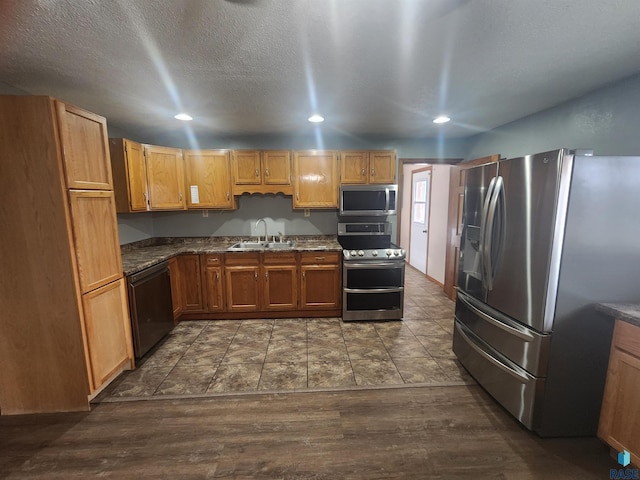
[(627, 312), (147, 253)]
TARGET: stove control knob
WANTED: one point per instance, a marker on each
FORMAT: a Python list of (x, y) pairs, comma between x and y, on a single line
[(352, 253), (396, 252), (361, 253), (388, 252), (374, 253)]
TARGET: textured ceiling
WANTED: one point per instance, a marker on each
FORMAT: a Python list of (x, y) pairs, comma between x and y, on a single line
[(383, 67)]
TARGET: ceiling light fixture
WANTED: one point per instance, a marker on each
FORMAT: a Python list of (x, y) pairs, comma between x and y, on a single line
[(441, 119), (185, 117), (316, 118)]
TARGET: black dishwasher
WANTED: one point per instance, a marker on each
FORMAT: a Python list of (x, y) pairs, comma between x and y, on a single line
[(150, 306)]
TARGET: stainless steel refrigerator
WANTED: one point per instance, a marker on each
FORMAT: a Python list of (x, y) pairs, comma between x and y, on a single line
[(545, 237)]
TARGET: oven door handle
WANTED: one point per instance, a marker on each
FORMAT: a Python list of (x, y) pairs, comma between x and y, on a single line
[(373, 290), (386, 265)]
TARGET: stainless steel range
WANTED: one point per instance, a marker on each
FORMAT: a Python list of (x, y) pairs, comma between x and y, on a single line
[(372, 272)]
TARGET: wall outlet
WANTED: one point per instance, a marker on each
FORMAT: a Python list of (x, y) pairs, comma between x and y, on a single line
[(205, 213), (307, 212)]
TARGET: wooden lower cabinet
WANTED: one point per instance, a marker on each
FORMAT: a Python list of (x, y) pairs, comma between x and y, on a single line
[(214, 283), (280, 286), (320, 281), (253, 284), (191, 283), (619, 423), (177, 298), (241, 274), (106, 325)]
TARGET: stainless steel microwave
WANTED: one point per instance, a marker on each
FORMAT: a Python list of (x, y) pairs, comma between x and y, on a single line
[(368, 200)]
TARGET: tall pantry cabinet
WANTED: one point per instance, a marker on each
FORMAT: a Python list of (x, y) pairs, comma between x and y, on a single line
[(64, 328)]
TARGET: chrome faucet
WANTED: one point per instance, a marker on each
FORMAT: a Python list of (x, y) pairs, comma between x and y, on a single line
[(266, 237)]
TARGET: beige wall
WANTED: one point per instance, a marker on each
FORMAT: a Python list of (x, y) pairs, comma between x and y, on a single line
[(438, 222)]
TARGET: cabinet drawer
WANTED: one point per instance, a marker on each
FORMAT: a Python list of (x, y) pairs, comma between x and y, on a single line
[(280, 258), (307, 258), (627, 337), (213, 260)]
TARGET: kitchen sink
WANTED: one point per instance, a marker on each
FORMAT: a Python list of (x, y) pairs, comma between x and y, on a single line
[(280, 245), (253, 245)]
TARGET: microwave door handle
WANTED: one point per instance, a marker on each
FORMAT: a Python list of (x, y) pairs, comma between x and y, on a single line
[(386, 196)]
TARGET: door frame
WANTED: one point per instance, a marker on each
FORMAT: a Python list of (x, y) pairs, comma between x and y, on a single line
[(428, 168), (412, 161), (454, 219)]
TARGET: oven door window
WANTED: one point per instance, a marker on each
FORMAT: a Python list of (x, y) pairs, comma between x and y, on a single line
[(369, 276)]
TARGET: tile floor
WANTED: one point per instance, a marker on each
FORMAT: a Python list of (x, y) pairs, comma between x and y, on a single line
[(223, 356)]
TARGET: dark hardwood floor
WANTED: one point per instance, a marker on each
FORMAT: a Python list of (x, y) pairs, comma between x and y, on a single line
[(404, 432)]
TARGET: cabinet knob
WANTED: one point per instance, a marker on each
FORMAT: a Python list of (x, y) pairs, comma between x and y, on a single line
[(256, 276), (373, 172), (363, 172), (266, 172), (180, 196), (227, 195), (303, 276), (217, 275), (266, 276), (257, 172)]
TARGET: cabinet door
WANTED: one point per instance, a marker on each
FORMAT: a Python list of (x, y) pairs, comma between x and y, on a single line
[(242, 288), (176, 287), (165, 175), (214, 286), (382, 167), (107, 332), (95, 232), (280, 287), (136, 176), (619, 418), (320, 287), (208, 178), (191, 279), (246, 167), (354, 167), (277, 167), (85, 148), (315, 179)]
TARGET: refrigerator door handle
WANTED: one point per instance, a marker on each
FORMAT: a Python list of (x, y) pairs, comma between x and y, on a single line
[(516, 332), (494, 361), (496, 195), (483, 229)]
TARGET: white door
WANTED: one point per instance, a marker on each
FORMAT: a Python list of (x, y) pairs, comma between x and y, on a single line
[(420, 186)]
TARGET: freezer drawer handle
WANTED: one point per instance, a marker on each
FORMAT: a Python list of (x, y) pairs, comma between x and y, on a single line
[(519, 377), (373, 290), (524, 335)]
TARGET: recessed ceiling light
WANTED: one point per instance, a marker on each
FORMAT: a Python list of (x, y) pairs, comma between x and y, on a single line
[(441, 119), (316, 118), (185, 117)]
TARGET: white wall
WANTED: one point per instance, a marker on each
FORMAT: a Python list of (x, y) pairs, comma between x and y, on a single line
[(438, 213)]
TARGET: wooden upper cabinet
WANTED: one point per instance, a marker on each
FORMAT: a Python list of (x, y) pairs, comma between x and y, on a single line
[(246, 167), (95, 237), (165, 176), (354, 167), (129, 175), (368, 167), (316, 182), (85, 148), (276, 166), (208, 174), (262, 171), (382, 166)]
